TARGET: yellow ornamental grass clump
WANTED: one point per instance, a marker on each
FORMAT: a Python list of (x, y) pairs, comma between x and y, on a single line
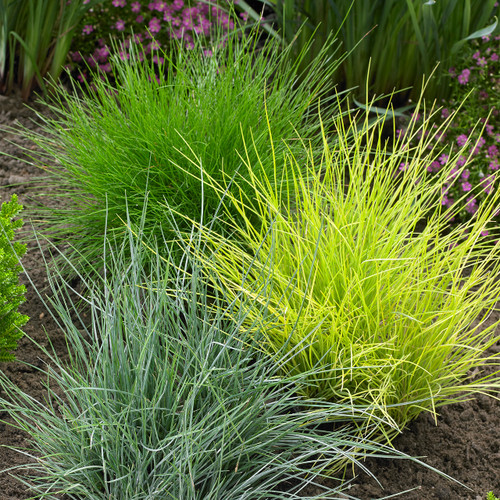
[(369, 285)]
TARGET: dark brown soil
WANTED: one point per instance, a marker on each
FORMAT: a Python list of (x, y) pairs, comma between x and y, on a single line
[(465, 443)]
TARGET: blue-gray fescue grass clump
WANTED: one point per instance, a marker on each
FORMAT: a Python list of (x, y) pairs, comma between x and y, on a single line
[(165, 397)]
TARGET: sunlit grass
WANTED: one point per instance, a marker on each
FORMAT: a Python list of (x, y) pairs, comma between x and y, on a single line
[(377, 297)]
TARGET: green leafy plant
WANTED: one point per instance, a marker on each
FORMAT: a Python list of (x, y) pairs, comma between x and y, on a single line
[(12, 294), (367, 282), (35, 38), (393, 43), (164, 397), (491, 496), (105, 150)]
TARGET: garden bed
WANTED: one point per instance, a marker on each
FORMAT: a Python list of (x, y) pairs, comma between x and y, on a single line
[(465, 444)]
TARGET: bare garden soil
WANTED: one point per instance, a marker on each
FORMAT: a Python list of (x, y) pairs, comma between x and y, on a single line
[(464, 444)]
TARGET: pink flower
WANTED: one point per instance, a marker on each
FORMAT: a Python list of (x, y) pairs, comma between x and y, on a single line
[(493, 165), (492, 151), (154, 25), (135, 7), (161, 6), (461, 140), (120, 25), (87, 29), (471, 205), (453, 174), (101, 54), (434, 167), (479, 144), (463, 77), (447, 202), (461, 161), (494, 57), (485, 233), (481, 62), (106, 68), (445, 113), (154, 45), (466, 186), (443, 159), (139, 19), (488, 183), (119, 3), (465, 175)]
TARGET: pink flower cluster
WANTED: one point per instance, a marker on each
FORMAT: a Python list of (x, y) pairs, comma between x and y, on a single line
[(473, 150), (159, 21)]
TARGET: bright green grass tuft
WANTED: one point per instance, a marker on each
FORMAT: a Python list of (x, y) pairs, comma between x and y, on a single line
[(106, 149)]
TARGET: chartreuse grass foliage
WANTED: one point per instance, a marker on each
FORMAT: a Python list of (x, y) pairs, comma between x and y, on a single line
[(109, 146), (365, 277), (166, 397)]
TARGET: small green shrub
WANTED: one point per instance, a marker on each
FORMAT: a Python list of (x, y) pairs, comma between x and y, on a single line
[(11, 292), (163, 135), (367, 283), (490, 496)]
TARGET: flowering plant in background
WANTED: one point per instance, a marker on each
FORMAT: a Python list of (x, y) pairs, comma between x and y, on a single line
[(475, 87), (154, 24)]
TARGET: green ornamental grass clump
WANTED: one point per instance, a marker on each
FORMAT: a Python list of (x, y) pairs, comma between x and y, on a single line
[(377, 298), (165, 397), (164, 135), (12, 294)]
